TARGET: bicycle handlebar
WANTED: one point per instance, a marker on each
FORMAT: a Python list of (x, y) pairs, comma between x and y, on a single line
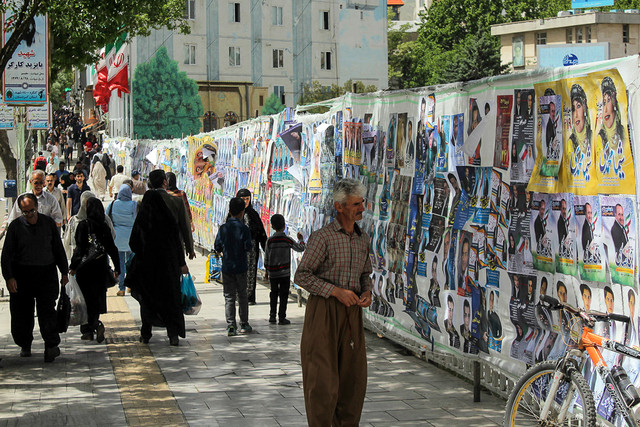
[(554, 304)]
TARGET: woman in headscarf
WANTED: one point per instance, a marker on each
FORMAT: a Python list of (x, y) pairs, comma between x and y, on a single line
[(156, 268), (172, 188), (122, 212), (94, 275), (98, 175), (68, 239), (258, 237)]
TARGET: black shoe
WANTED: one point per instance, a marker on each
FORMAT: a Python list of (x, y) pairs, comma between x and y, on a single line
[(25, 352), (272, 319), (252, 303), (100, 332), (174, 341), (50, 354), (87, 336), (284, 322), (144, 340)]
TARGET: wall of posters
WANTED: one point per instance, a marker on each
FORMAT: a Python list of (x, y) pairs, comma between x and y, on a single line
[(478, 202)]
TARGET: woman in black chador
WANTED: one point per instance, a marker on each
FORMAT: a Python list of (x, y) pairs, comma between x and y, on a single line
[(94, 275), (258, 237), (157, 268)]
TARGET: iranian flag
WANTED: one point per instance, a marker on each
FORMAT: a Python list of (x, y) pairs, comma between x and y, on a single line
[(118, 64), (101, 91)]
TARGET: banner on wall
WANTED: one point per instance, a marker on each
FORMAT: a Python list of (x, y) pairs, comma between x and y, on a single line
[(476, 205)]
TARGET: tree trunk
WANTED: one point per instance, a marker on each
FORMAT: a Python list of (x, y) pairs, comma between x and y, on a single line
[(7, 157)]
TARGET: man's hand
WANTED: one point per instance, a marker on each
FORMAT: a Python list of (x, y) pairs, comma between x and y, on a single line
[(345, 296), (184, 269), (64, 280), (192, 255), (300, 236), (12, 285), (365, 299)]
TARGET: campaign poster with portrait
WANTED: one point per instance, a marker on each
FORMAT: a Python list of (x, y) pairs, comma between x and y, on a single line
[(619, 232), (551, 135), (522, 314), (495, 335), (503, 125), (542, 223), (615, 167), (463, 278), (442, 163), (480, 124), (401, 141), (523, 135), (390, 146), (457, 139), (409, 167), (591, 255), (452, 313), (564, 218), (579, 118)]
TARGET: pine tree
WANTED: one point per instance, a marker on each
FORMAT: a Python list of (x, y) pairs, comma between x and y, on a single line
[(166, 103), (272, 105)]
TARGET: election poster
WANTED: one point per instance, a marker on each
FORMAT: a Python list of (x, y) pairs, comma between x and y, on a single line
[(619, 231), (592, 260)]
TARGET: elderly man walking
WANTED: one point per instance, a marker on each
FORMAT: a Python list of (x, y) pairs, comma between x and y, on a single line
[(47, 203), (335, 270), (32, 251)]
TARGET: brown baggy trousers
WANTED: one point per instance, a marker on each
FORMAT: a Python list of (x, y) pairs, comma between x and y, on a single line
[(334, 374)]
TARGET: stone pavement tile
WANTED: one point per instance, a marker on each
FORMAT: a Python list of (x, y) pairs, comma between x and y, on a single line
[(401, 423), (419, 414), (246, 422), (467, 421), (291, 420), (254, 411), (389, 405), (376, 416), (392, 395)]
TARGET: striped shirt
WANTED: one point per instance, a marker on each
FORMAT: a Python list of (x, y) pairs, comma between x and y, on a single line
[(277, 254), (335, 258)]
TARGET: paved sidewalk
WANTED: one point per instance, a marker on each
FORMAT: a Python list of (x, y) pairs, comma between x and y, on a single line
[(214, 379)]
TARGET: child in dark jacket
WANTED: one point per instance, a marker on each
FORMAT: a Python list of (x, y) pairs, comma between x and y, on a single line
[(277, 262)]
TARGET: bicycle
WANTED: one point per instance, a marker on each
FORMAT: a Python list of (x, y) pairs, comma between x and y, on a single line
[(553, 393)]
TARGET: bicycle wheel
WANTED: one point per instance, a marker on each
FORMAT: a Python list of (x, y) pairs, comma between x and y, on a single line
[(527, 399)]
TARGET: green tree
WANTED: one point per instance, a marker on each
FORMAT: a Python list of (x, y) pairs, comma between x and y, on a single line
[(272, 105), (166, 103), (315, 92), (79, 29), (63, 80), (401, 59)]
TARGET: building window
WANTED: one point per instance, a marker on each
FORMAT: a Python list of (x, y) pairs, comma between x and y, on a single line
[(230, 118), (234, 12), (541, 38), (234, 56), (569, 35), (210, 122), (625, 33), (279, 92), (261, 100), (278, 58), (587, 31), (362, 15), (324, 19), (395, 13), (190, 54), (325, 60), (190, 9), (276, 15), (579, 37)]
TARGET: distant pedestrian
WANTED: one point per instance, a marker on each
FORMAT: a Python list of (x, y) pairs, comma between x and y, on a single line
[(98, 176), (69, 237), (258, 237), (277, 262), (335, 269), (234, 241), (32, 251), (51, 188), (139, 187), (117, 180), (172, 188), (122, 212), (156, 268), (93, 274), (47, 203)]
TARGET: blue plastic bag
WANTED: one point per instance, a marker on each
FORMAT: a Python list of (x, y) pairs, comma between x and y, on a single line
[(191, 302)]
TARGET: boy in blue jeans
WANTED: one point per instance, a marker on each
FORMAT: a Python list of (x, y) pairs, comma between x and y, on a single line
[(234, 241), (277, 262)]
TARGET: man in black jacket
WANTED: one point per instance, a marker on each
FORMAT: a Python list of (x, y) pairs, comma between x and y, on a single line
[(32, 251)]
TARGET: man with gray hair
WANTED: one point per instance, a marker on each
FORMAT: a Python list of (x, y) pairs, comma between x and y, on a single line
[(336, 269), (47, 203)]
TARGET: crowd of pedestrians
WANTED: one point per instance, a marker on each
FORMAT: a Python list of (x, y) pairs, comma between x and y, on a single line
[(142, 246)]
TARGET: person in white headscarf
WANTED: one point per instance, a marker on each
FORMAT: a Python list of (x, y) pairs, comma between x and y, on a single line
[(98, 176), (68, 239)]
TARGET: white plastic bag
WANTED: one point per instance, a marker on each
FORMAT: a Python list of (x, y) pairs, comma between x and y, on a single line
[(78, 305)]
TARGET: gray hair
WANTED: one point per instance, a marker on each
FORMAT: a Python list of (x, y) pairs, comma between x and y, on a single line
[(347, 187), (38, 172)]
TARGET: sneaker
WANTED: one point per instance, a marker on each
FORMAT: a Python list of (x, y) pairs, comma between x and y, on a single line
[(25, 352), (284, 322), (50, 354), (100, 332), (245, 328), (231, 331), (120, 293), (272, 319), (87, 337)]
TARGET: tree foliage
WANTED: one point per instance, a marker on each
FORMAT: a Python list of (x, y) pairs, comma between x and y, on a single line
[(166, 103), (401, 59), (63, 80), (272, 105), (315, 92)]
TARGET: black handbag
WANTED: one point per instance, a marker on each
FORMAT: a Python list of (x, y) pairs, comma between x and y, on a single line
[(96, 250), (63, 311)]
